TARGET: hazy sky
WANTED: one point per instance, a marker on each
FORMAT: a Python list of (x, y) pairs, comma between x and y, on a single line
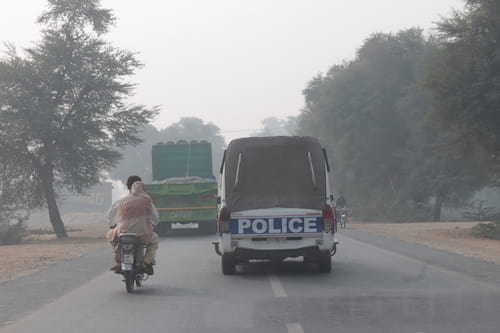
[(235, 62)]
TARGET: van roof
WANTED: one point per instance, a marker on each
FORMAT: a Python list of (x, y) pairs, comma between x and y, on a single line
[(279, 171)]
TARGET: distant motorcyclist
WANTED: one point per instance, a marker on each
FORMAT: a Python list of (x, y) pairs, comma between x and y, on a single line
[(137, 214), (341, 201)]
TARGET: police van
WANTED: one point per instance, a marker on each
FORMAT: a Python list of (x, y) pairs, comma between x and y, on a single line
[(274, 202)]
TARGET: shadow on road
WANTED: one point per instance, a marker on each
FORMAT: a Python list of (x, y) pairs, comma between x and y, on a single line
[(287, 267)]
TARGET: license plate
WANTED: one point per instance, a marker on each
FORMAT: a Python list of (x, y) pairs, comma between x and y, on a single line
[(126, 267), (128, 258)]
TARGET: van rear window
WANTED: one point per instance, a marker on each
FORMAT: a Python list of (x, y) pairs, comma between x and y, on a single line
[(276, 175)]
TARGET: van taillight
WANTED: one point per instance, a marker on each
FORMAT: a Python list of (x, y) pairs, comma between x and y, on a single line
[(223, 221), (328, 218)]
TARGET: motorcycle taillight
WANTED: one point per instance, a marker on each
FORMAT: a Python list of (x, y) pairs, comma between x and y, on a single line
[(223, 221)]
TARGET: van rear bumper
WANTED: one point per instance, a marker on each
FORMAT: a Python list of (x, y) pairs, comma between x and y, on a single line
[(249, 254), (271, 247)]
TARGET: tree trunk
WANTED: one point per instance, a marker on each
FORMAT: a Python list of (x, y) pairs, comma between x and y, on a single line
[(438, 204), (48, 189)]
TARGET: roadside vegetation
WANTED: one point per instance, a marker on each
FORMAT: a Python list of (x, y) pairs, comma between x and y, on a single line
[(13, 226), (411, 123), (489, 230), (63, 108)]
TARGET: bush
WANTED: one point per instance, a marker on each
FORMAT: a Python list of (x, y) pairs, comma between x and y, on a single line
[(13, 229), (479, 212), (403, 212), (487, 230)]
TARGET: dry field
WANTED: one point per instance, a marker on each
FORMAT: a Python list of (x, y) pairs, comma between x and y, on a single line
[(86, 233)]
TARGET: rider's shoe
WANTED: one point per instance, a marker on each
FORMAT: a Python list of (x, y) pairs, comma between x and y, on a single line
[(142, 268), (149, 269), (117, 268)]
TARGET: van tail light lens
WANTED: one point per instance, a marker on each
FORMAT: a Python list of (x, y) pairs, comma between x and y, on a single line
[(223, 221), (328, 218)]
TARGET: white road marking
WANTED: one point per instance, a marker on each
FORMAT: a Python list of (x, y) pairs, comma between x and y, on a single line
[(294, 328), (276, 286)]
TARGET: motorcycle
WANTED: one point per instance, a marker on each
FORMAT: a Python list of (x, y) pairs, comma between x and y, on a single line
[(343, 217), (131, 251)]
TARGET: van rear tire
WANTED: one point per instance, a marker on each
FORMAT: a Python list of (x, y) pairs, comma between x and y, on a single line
[(228, 264), (325, 262)]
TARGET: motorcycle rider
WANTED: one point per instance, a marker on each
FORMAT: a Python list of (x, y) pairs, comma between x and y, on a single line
[(341, 201), (134, 213), (340, 204)]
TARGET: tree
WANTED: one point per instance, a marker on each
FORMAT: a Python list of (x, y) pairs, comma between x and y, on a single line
[(464, 81), (372, 115), (272, 126), (62, 108), (137, 159)]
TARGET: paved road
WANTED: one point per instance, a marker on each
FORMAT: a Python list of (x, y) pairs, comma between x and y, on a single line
[(377, 285)]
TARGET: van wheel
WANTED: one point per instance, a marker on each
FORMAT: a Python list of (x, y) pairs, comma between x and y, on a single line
[(228, 264), (325, 262)]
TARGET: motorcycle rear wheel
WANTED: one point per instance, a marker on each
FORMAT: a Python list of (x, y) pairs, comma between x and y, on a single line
[(129, 280), (138, 282)]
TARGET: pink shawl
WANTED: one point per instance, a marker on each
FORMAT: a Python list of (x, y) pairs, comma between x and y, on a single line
[(135, 213)]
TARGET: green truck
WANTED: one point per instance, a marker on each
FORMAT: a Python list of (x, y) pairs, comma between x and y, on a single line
[(184, 189)]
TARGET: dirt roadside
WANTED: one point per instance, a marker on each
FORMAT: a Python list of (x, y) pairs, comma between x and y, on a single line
[(87, 233), (454, 237)]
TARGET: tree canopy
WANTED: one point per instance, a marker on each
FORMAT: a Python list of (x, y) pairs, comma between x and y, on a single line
[(273, 126), (63, 109), (372, 114), (464, 81)]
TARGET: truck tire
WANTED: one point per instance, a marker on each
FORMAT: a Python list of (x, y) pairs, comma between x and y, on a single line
[(164, 228), (324, 262), (228, 264)]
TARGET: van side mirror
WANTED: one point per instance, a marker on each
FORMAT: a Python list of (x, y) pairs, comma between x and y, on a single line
[(331, 198), (218, 200)]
